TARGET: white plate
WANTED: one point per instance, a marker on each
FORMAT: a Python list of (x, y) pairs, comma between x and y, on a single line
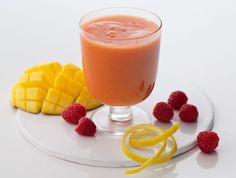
[(57, 138)]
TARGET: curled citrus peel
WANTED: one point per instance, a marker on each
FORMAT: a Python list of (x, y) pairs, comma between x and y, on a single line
[(160, 136)]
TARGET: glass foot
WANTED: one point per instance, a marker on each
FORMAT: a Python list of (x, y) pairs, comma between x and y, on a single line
[(115, 120)]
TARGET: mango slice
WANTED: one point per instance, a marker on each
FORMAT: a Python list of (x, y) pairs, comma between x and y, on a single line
[(13, 94), (35, 94), (51, 88), (87, 100), (35, 79), (50, 70), (70, 70), (67, 85), (29, 99), (79, 76), (57, 99), (50, 108), (30, 106)]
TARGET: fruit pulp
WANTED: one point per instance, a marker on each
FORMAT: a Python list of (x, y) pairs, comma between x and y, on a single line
[(120, 58)]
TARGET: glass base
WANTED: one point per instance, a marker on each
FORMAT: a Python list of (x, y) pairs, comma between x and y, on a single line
[(115, 123)]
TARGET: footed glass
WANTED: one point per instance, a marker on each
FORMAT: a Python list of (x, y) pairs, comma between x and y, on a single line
[(120, 52)]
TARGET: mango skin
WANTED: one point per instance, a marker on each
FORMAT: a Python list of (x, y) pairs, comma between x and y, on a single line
[(50, 88)]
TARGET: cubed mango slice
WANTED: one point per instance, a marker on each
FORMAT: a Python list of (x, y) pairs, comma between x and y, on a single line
[(50, 70), (34, 94), (29, 99), (21, 105), (79, 77), (33, 106), (92, 104), (50, 88), (57, 67), (70, 70), (56, 101), (50, 108), (84, 97), (87, 100), (13, 94), (35, 79), (29, 106), (67, 85)]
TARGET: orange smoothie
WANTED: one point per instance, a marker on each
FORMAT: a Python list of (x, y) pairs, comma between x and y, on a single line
[(120, 58)]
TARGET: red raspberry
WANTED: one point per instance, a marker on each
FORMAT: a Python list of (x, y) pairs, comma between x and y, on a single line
[(177, 99), (207, 141), (163, 112), (74, 113), (86, 127), (188, 113)]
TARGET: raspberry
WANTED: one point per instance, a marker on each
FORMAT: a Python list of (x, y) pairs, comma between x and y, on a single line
[(177, 99), (163, 112), (74, 113), (188, 113), (86, 127), (207, 141)]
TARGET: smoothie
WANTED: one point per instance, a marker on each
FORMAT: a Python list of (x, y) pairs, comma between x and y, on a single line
[(120, 58)]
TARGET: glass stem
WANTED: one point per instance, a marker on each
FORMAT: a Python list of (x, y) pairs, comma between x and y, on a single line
[(120, 113)]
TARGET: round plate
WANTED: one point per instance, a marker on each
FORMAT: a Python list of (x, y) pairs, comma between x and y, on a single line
[(55, 137)]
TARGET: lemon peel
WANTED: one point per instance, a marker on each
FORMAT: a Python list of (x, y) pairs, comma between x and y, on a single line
[(160, 136), (155, 140)]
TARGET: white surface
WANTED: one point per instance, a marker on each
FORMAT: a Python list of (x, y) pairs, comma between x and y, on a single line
[(57, 138), (198, 44)]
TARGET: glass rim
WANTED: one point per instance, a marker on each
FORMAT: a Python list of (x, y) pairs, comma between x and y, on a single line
[(134, 8)]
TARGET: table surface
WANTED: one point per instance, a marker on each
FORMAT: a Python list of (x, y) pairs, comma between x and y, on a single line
[(198, 45)]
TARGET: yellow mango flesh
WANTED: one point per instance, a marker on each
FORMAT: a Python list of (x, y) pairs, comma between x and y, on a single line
[(92, 104), (50, 88), (87, 100), (79, 76), (33, 106), (56, 101), (36, 94), (13, 94), (50, 70), (29, 106), (29, 99), (70, 70), (50, 108), (67, 85), (35, 79)]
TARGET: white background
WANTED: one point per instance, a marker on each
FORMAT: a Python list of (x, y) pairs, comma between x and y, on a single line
[(198, 44)]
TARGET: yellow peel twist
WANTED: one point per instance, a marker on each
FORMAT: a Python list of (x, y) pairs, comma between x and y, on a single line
[(160, 135)]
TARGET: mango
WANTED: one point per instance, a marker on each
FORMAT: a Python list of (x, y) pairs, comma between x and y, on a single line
[(50, 70), (35, 94), (79, 76), (92, 104), (35, 79), (29, 106), (50, 108), (13, 94), (29, 99), (50, 88), (86, 99), (70, 70), (67, 85), (56, 101)]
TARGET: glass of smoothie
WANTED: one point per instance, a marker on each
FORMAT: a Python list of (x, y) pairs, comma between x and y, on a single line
[(120, 53)]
